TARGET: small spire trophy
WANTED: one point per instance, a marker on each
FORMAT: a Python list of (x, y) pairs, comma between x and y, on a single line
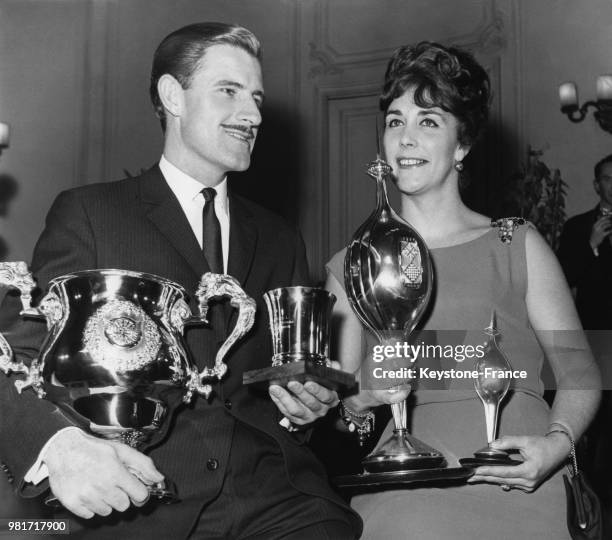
[(491, 389)]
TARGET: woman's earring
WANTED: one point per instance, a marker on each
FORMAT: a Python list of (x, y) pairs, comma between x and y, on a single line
[(458, 166)]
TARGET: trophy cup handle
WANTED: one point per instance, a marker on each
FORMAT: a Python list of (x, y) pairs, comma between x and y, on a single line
[(215, 286), (16, 275)]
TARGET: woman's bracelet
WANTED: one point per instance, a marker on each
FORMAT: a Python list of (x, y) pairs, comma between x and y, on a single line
[(560, 428), (362, 423)]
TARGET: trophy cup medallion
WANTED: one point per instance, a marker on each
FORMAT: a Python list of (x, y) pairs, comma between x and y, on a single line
[(491, 389), (114, 358), (300, 320), (388, 279)]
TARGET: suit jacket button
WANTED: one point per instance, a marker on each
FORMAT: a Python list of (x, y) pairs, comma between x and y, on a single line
[(212, 464), (228, 404)]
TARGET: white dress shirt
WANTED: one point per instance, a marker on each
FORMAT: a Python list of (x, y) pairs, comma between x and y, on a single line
[(188, 191)]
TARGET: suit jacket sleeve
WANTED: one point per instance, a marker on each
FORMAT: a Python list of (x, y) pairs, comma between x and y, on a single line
[(27, 422)]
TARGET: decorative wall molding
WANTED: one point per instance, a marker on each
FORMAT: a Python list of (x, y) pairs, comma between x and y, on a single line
[(344, 227), (316, 210), (488, 36), (322, 63), (99, 91)]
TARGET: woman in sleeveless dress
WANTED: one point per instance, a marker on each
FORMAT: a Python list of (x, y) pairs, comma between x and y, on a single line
[(435, 100)]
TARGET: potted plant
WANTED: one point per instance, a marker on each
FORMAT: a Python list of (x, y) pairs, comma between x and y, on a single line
[(537, 194)]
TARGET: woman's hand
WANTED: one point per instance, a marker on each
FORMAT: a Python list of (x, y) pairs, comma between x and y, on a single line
[(541, 457), (368, 399)]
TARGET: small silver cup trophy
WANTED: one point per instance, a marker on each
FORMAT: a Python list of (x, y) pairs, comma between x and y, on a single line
[(491, 388), (114, 359), (388, 278), (300, 319)]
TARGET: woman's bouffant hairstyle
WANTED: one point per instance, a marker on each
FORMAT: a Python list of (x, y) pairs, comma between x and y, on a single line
[(179, 54), (445, 77)]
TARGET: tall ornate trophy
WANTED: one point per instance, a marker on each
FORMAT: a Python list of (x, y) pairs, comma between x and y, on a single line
[(300, 320), (388, 279), (114, 359), (491, 390)]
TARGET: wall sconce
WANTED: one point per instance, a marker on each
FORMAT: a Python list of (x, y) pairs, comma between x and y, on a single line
[(4, 136), (568, 96)]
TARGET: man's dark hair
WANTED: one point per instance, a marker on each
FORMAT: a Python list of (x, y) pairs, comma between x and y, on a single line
[(600, 164), (445, 77), (179, 54)]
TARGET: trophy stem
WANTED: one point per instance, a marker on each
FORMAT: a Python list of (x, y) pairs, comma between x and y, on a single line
[(400, 418), (491, 410), (382, 200), (489, 455)]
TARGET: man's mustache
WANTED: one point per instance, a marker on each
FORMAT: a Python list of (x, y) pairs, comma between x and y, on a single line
[(248, 131)]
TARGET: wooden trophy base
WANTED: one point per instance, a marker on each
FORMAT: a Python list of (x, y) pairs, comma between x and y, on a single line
[(302, 371), (489, 456)]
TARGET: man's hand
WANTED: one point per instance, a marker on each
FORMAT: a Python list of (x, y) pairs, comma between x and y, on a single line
[(601, 228), (92, 476), (303, 403)]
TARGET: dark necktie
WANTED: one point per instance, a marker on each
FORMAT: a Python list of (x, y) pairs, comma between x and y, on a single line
[(211, 232)]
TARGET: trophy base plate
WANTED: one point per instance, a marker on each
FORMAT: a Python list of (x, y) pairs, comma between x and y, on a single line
[(489, 456), (403, 452), (408, 463), (402, 479), (474, 462), (302, 371)]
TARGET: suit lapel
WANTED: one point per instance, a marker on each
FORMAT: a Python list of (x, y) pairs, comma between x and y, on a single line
[(243, 241), (165, 212)]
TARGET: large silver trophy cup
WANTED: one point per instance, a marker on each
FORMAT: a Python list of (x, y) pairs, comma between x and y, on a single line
[(388, 278), (300, 319), (114, 359)]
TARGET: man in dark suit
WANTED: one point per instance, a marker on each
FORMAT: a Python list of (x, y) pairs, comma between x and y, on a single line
[(240, 473), (585, 253)]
